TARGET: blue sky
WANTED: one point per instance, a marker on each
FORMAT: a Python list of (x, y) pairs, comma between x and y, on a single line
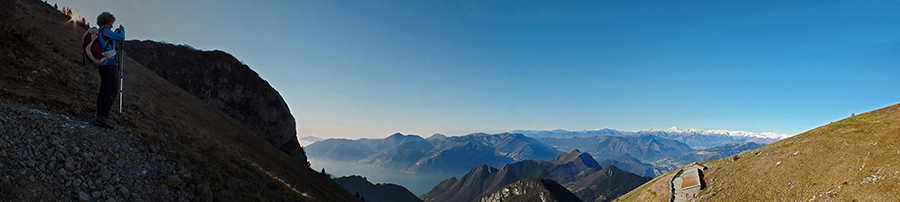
[(371, 68)]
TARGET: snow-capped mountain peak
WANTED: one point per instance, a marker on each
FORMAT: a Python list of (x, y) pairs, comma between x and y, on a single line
[(721, 132)]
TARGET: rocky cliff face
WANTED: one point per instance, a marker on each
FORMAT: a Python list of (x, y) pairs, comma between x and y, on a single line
[(167, 145), (531, 189), (225, 84)]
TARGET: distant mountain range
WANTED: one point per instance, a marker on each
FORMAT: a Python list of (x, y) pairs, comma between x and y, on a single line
[(560, 133), (695, 138), (308, 140), (688, 136), (576, 171), (630, 152), (438, 154), (646, 147), (646, 153)]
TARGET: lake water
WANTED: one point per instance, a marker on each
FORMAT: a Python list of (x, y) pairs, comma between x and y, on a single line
[(418, 184)]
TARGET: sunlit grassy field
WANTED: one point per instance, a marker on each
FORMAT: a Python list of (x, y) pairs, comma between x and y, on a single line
[(854, 159)]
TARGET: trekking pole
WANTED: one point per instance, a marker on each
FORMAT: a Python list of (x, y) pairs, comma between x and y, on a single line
[(121, 76)]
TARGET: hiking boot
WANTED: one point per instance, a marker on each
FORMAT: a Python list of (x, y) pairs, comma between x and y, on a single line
[(102, 122)]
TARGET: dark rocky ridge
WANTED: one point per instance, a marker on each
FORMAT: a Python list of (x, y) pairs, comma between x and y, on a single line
[(628, 163), (225, 84), (579, 158), (577, 171), (532, 190), (376, 192)]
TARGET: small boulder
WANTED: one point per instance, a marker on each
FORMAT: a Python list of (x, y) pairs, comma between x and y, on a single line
[(205, 192), (83, 197), (70, 163), (105, 174), (173, 181), (123, 191)]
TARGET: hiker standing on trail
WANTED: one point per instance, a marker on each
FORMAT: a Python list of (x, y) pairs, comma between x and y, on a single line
[(108, 70)]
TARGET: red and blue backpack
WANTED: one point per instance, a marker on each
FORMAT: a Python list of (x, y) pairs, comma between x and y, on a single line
[(92, 48)]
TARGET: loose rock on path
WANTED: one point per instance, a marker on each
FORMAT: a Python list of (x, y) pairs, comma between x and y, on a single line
[(51, 157)]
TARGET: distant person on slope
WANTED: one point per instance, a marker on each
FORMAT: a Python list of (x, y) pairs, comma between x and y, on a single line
[(109, 70)]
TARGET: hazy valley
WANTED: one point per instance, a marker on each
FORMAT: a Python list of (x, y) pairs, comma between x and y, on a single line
[(419, 164)]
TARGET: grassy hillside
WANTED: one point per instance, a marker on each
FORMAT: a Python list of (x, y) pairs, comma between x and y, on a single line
[(41, 68), (853, 159)]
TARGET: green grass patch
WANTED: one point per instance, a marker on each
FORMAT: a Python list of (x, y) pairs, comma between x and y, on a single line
[(855, 122)]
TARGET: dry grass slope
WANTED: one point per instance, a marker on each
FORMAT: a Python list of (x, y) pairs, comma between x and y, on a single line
[(654, 190), (41, 67), (853, 159)]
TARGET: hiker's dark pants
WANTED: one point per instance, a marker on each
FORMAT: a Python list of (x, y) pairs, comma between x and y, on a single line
[(109, 85)]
